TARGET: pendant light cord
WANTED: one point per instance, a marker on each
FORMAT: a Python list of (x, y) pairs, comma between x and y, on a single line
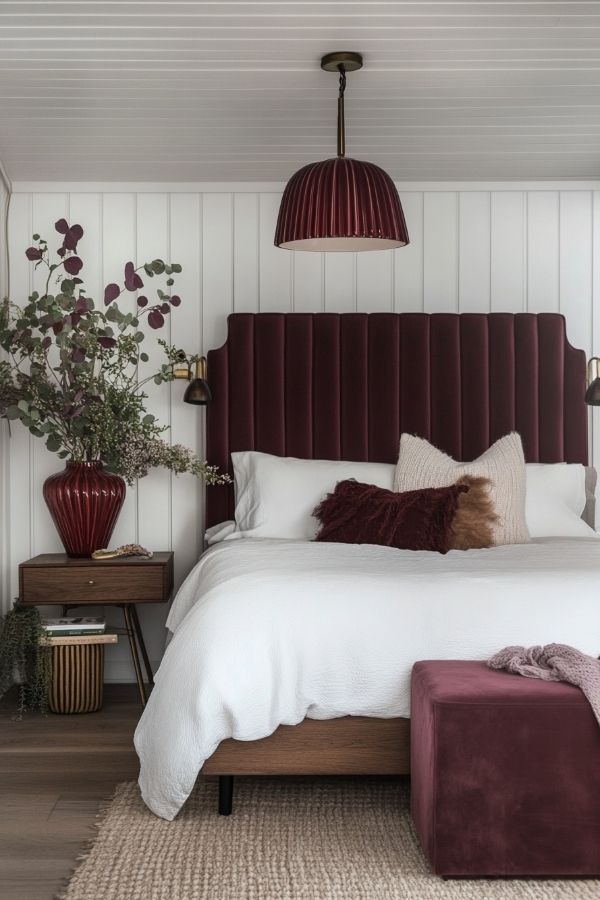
[(341, 128)]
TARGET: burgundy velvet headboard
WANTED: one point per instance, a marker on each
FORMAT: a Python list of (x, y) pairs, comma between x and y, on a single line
[(344, 386)]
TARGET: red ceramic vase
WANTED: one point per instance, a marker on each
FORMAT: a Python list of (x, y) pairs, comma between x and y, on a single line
[(84, 501)]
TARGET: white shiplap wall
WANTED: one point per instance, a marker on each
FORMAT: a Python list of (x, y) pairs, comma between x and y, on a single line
[(4, 430), (474, 247)]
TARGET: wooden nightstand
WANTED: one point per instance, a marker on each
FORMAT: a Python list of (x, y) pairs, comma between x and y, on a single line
[(56, 579)]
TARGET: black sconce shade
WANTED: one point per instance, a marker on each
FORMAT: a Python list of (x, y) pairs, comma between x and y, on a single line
[(198, 392), (592, 395)]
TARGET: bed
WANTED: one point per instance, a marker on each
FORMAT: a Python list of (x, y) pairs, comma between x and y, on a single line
[(328, 386)]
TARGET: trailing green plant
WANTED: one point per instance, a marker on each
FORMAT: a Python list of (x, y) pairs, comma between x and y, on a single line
[(24, 656), (74, 372)]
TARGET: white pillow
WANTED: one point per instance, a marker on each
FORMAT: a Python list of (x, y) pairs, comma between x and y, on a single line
[(275, 495), (555, 500)]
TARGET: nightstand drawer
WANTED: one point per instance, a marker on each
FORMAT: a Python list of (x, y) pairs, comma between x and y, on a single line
[(92, 584)]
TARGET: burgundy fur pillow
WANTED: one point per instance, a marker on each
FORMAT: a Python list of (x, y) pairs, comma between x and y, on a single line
[(357, 513)]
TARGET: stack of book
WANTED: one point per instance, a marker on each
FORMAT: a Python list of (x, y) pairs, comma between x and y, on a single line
[(75, 626)]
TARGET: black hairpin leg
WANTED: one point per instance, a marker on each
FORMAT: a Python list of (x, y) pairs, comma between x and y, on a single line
[(130, 629), (140, 639), (225, 794)]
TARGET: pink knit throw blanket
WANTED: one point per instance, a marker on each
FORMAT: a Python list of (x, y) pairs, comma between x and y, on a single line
[(554, 662)]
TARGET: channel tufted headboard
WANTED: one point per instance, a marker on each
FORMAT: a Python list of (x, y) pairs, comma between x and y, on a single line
[(345, 386)]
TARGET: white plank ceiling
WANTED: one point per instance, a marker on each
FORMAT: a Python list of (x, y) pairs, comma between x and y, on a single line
[(231, 91)]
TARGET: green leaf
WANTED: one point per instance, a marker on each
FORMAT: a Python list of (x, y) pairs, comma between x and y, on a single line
[(36, 237), (170, 281), (148, 420), (23, 406), (175, 267), (13, 412), (53, 443), (144, 357)]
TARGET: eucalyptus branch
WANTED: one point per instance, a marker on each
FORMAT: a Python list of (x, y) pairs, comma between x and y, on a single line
[(93, 403)]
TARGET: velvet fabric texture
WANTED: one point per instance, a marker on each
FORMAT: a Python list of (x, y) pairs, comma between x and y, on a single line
[(505, 773), (357, 513), (331, 386)]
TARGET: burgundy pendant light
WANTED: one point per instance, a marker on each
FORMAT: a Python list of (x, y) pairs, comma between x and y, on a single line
[(341, 204)]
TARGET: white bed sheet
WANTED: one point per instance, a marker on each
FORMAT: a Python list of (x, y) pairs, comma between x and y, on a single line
[(267, 632)]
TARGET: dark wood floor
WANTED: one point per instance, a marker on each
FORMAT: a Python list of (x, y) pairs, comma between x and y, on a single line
[(54, 773)]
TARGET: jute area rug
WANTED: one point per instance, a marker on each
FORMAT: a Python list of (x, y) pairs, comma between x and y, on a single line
[(317, 839)]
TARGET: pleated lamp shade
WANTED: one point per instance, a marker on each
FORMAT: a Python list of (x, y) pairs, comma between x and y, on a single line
[(340, 204)]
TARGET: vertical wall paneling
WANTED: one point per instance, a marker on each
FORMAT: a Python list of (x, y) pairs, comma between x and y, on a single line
[(154, 491), (308, 271), (275, 264), (186, 421), (245, 252), (340, 282), (153, 242), (595, 324), (508, 251), (86, 210), (375, 281), (46, 209), (119, 231), (22, 499), (4, 429), (440, 252), (576, 264), (543, 251), (474, 251), (217, 267), (408, 262)]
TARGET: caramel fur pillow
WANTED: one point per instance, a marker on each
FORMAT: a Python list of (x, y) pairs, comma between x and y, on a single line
[(472, 528), (421, 465)]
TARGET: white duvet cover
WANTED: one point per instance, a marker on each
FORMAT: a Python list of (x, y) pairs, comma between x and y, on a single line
[(267, 632)]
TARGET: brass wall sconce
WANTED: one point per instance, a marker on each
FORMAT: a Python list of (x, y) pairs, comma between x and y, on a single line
[(194, 370), (592, 395)]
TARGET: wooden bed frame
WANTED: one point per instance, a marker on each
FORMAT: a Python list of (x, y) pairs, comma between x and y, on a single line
[(329, 386)]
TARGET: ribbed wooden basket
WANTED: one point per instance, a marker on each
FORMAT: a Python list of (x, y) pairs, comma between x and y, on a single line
[(77, 678)]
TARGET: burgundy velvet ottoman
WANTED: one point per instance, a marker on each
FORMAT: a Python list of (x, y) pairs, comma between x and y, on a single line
[(505, 773)]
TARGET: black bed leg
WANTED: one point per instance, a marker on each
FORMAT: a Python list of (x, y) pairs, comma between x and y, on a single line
[(225, 794)]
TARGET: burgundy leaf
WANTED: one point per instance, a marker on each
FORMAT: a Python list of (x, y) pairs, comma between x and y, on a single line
[(73, 235), (81, 305), (73, 265), (132, 280), (175, 300), (62, 226), (75, 319), (46, 342), (165, 308), (111, 292), (61, 251), (142, 301), (156, 319), (33, 253), (78, 355), (57, 327), (106, 342)]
